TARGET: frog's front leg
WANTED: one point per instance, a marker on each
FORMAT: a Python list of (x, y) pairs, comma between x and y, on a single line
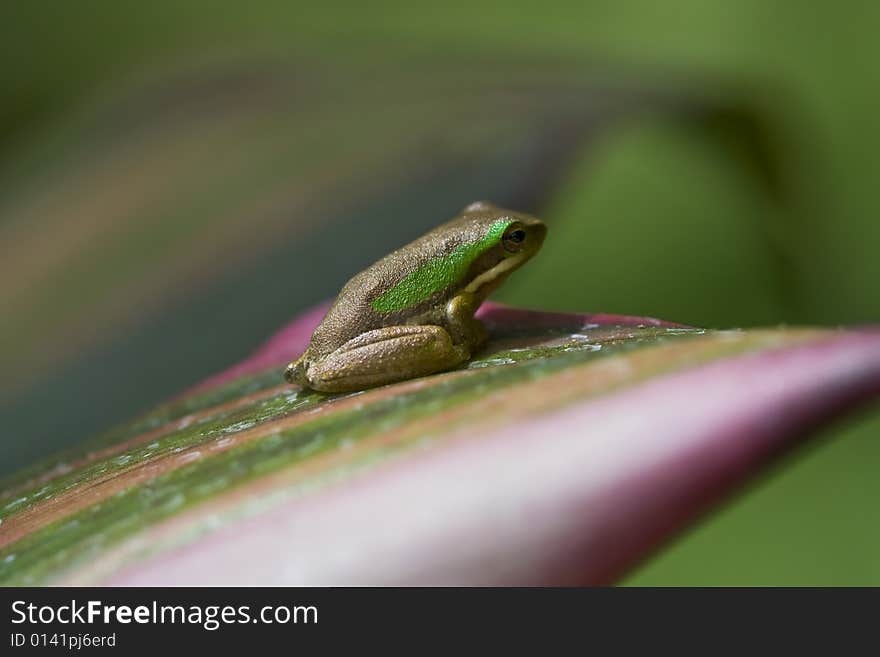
[(381, 356), (465, 330)]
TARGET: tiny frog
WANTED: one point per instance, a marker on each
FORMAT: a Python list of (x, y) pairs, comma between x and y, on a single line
[(412, 313)]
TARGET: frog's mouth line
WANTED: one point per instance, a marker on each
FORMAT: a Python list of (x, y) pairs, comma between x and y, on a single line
[(503, 267)]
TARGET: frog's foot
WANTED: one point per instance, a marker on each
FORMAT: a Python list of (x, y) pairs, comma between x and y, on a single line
[(295, 372), (463, 327), (385, 355)]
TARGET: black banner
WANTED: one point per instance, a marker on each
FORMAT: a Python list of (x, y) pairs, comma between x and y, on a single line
[(73, 620)]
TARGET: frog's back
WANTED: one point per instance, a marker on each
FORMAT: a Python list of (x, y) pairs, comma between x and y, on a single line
[(352, 313)]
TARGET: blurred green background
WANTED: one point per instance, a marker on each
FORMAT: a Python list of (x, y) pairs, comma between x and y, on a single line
[(178, 179)]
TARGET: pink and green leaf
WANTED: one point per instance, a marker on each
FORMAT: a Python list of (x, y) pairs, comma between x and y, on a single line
[(566, 452)]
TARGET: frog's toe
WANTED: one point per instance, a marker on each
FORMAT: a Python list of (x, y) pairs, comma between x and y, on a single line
[(295, 372)]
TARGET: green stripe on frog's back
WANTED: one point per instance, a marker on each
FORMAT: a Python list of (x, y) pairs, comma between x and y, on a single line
[(437, 274)]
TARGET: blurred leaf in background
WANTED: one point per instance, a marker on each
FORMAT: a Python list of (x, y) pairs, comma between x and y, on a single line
[(711, 164)]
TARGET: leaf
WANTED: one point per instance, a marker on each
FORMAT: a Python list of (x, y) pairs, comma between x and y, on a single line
[(131, 224), (568, 450)]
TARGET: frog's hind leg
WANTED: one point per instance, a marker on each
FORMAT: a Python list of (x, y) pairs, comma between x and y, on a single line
[(385, 355)]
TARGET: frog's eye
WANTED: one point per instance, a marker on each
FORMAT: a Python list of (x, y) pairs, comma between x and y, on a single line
[(513, 240)]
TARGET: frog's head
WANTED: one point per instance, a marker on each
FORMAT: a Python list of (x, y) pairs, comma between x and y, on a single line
[(506, 241)]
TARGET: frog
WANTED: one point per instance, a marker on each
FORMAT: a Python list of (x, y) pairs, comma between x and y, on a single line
[(411, 314)]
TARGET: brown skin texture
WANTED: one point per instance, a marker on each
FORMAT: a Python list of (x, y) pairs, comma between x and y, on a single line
[(355, 347)]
